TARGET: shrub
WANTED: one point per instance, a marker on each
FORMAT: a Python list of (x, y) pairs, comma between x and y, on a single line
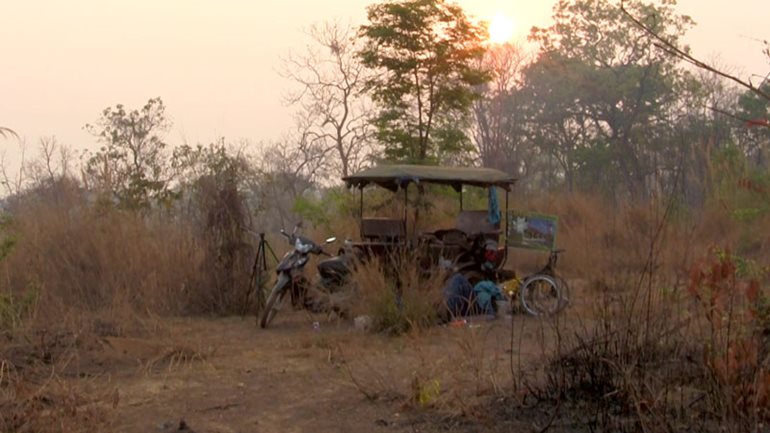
[(396, 294)]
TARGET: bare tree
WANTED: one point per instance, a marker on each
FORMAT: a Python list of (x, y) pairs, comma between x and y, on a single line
[(7, 132), (53, 162), (675, 50), (333, 111), (49, 169), (284, 171), (497, 130), (13, 183)]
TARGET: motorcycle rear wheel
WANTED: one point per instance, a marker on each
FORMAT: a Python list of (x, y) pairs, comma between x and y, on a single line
[(274, 300)]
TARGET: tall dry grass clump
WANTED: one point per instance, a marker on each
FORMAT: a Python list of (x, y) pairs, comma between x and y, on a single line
[(397, 294), (79, 269), (606, 238), (670, 335), (90, 259), (733, 314), (84, 261), (667, 358)]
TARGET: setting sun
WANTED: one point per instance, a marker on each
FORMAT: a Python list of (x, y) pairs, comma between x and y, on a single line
[(500, 29)]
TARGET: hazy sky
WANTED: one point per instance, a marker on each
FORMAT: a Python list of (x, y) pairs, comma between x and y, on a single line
[(215, 63)]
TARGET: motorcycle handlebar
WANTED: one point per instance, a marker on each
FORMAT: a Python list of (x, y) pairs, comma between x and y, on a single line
[(317, 249)]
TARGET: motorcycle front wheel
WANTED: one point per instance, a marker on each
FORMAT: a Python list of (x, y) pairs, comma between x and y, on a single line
[(274, 300)]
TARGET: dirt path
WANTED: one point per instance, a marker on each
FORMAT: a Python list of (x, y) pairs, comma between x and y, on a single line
[(226, 375)]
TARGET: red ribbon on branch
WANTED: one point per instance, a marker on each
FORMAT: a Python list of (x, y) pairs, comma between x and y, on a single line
[(751, 123)]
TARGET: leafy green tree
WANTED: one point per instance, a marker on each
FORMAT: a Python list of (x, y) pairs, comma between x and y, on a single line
[(755, 137), (557, 126), (191, 163), (611, 88), (699, 132), (424, 55), (132, 163), (750, 108)]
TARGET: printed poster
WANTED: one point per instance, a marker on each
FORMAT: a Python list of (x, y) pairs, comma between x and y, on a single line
[(532, 231)]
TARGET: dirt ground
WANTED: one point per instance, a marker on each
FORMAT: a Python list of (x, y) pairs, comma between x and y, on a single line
[(227, 375)]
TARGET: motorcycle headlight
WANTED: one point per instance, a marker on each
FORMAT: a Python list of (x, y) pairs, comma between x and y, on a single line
[(303, 248)]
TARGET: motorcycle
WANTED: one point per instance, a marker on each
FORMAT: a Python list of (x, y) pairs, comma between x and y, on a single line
[(291, 276)]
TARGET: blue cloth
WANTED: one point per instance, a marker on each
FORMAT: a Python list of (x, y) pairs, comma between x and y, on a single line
[(458, 295), (494, 207), (462, 299), (486, 293)]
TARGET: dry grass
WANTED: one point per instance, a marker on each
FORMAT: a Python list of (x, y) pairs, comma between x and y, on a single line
[(670, 333), (89, 259), (54, 406), (81, 271), (651, 359), (672, 337), (649, 347), (111, 265), (420, 374), (36, 394), (396, 295)]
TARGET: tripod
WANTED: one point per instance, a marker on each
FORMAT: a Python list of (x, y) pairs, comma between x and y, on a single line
[(259, 275)]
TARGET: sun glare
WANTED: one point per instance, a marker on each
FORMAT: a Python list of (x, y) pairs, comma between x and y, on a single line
[(500, 29)]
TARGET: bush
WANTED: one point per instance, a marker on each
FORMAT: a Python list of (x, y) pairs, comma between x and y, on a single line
[(397, 295), (657, 359)]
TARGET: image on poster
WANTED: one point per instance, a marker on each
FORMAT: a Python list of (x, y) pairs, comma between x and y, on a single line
[(532, 231)]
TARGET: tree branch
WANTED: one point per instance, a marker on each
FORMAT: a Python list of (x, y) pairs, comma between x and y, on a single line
[(675, 51)]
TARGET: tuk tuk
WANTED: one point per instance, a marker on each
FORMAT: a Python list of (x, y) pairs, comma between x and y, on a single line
[(472, 246)]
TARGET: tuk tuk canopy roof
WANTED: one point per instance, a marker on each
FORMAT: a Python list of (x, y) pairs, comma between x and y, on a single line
[(400, 175)]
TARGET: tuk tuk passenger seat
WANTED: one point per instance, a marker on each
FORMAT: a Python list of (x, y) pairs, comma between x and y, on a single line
[(383, 229)]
